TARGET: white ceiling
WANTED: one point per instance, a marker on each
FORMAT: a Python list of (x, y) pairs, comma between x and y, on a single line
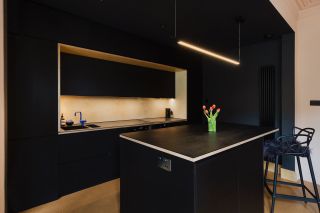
[(304, 4)]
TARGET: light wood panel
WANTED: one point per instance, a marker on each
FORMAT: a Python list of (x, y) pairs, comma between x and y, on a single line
[(101, 198), (64, 48), (106, 198), (285, 206)]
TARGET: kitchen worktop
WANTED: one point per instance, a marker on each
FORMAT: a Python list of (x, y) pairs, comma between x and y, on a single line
[(123, 123), (194, 142)]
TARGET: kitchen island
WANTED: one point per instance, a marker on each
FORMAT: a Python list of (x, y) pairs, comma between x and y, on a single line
[(188, 169)]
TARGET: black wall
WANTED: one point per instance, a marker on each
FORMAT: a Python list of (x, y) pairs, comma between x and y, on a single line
[(236, 88), (287, 93)]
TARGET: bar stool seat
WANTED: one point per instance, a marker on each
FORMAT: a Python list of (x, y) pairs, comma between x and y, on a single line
[(296, 145)]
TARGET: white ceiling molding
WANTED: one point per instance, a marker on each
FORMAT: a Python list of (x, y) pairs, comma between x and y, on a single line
[(289, 10), (310, 11), (305, 4), (294, 10)]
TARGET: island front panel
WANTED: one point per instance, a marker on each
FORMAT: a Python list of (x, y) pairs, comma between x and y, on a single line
[(147, 186), (231, 181)]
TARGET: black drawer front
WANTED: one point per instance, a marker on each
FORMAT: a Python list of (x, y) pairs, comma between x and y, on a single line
[(86, 173), (80, 146)]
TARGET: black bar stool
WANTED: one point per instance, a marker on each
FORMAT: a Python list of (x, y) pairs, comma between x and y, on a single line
[(294, 145)]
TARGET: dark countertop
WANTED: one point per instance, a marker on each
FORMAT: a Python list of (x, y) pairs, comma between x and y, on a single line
[(194, 142), (124, 124)]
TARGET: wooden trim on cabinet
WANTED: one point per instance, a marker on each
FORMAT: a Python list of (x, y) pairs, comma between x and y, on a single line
[(64, 48)]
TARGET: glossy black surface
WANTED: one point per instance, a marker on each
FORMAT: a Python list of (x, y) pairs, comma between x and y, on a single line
[(195, 140), (93, 77)]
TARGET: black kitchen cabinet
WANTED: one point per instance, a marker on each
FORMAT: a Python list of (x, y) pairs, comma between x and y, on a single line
[(87, 159), (85, 76), (86, 173), (32, 172), (32, 87), (81, 146)]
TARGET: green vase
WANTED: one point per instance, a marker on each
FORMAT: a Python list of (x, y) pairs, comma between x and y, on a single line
[(212, 125)]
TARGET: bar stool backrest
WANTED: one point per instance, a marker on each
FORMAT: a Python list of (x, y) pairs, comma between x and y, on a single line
[(303, 136)]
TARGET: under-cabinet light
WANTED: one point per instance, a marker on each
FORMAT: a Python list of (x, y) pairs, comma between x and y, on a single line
[(209, 53)]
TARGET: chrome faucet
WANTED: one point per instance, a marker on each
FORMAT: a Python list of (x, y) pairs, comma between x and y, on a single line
[(82, 122)]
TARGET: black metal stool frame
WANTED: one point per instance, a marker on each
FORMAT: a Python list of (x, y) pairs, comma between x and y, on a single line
[(307, 133)]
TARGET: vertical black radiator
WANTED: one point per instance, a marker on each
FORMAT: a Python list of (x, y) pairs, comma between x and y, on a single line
[(267, 87)]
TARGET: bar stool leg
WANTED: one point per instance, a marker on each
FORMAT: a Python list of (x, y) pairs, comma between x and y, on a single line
[(275, 184), (301, 178), (314, 181), (266, 172)]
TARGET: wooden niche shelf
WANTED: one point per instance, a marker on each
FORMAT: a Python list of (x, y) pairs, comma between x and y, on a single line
[(64, 48)]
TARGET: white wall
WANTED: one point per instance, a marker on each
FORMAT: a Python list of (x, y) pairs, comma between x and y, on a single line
[(2, 114), (307, 80), (97, 109)]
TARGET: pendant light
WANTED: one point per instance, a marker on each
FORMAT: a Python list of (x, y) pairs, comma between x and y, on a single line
[(205, 51)]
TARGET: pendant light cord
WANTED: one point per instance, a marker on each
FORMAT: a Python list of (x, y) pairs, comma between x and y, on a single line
[(239, 37), (175, 18)]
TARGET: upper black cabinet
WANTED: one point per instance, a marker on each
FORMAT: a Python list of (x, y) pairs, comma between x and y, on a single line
[(32, 87), (85, 76)]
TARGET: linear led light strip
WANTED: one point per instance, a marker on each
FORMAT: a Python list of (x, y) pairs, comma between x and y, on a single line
[(209, 53)]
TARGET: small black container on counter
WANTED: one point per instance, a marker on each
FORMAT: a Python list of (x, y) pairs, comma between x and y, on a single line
[(168, 113)]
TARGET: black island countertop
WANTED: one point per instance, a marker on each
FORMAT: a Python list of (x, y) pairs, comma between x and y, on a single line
[(194, 142)]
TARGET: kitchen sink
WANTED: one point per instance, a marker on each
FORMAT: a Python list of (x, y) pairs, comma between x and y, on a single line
[(73, 127), (93, 125)]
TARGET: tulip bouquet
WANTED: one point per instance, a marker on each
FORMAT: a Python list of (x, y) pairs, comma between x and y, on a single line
[(212, 117)]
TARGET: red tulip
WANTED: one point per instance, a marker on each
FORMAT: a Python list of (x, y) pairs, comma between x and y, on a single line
[(218, 110), (213, 106), (204, 107), (206, 111)]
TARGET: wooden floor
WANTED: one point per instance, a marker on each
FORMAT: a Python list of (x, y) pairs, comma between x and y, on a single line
[(105, 198)]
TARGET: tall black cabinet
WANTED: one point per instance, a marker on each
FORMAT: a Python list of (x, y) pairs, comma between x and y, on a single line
[(32, 125), (32, 87)]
